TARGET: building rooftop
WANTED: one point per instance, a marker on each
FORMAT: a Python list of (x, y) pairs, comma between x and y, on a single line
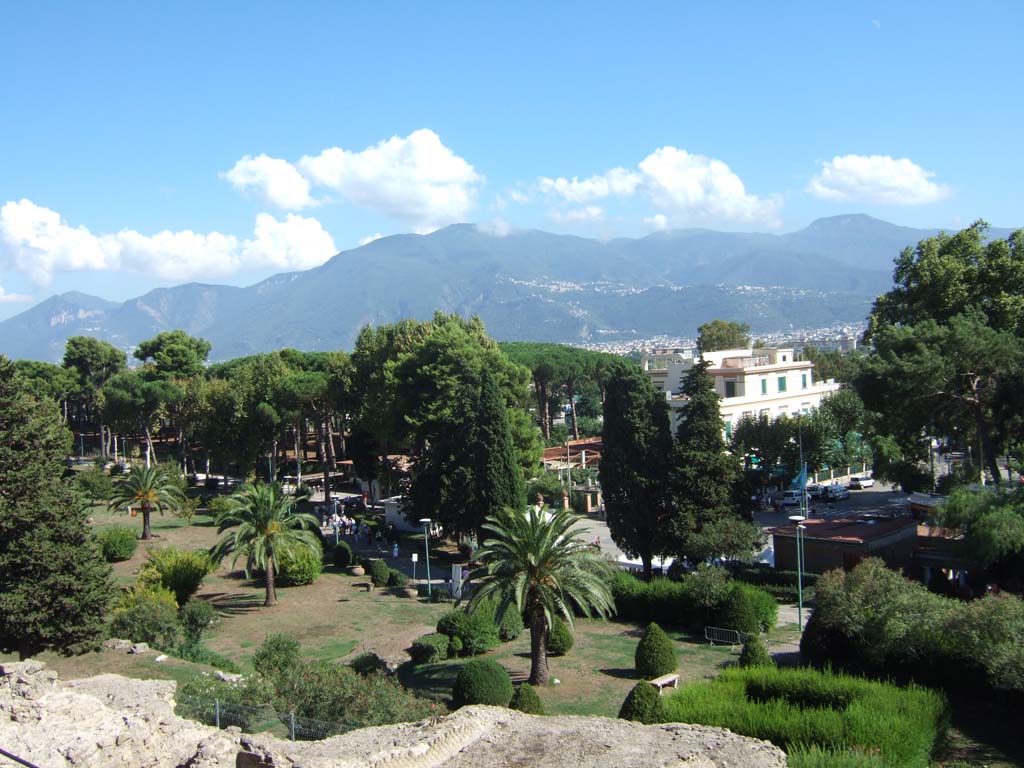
[(853, 530)]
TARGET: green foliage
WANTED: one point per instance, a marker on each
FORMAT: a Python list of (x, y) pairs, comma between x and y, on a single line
[(655, 654), (755, 654), (510, 626), (546, 485), (118, 542), (379, 572), (803, 711), (745, 609), (454, 647), (526, 700), (277, 656), (250, 702), (181, 571), (722, 334), (482, 681), (196, 652), (218, 505), (95, 484), (299, 567), (368, 663), (342, 554), (560, 639), (147, 613), (643, 705), (397, 579), (148, 490), (427, 649), (196, 616), (782, 585), (476, 629)]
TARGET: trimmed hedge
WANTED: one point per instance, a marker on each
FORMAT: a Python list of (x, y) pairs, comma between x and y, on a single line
[(782, 585), (368, 663), (643, 705), (526, 700), (477, 630), (379, 573), (755, 654), (809, 713), (560, 639), (397, 579), (118, 543), (655, 654), (482, 681), (427, 649), (342, 555), (300, 567)]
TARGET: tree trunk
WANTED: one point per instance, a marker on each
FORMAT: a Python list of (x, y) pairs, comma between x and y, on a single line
[(324, 466), (149, 446), (27, 649), (271, 588), (273, 459), (145, 521), (103, 443), (332, 457), (647, 560), (538, 650), (985, 446), (541, 390), (298, 456), (572, 406)]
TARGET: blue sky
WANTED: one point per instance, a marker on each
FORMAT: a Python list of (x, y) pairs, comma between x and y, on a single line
[(223, 142)]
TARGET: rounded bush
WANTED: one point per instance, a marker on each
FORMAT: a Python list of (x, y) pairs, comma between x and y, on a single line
[(397, 579), (147, 614), (299, 567), (526, 700), (95, 484), (754, 653), (477, 631), (196, 616), (427, 649), (182, 571), (368, 663), (643, 705), (738, 611), (342, 555), (560, 638), (118, 542), (454, 647), (511, 624), (655, 654), (379, 573), (277, 655), (482, 681)]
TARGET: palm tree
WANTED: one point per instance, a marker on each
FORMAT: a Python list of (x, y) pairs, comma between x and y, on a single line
[(537, 561), (266, 526), (149, 489)]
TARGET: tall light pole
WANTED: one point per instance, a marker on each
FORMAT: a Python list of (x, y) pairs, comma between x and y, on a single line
[(799, 520), (425, 522)]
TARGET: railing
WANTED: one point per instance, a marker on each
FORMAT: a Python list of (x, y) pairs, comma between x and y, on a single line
[(719, 635), (287, 725), (18, 760)]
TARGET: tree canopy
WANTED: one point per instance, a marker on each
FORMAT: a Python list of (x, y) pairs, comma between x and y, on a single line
[(722, 334)]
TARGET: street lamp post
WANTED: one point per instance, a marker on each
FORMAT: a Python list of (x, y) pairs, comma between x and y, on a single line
[(799, 520), (425, 522)]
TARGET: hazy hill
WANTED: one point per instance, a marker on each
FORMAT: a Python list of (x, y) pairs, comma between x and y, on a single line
[(525, 285)]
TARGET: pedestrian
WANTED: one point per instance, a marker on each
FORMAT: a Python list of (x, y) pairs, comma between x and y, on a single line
[(394, 551)]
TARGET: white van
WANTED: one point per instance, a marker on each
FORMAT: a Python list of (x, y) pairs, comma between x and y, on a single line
[(863, 480), (792, 498)]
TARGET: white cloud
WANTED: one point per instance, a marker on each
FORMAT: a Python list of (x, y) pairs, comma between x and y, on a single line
[(659, 221), (37, 242), (13, 298), (876, 179), (586, 213), (498, 228), (277, 180), (617, 181), (370, 238)]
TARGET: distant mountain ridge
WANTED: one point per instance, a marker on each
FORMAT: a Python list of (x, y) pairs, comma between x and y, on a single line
[(528, 284)]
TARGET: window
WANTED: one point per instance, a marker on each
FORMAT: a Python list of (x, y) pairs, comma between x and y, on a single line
[(730, 388), (764, 386), (728, 430), (782, 383), (783, 358), (803, 380)]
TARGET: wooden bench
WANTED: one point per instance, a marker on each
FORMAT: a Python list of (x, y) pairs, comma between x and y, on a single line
[(663, 682)]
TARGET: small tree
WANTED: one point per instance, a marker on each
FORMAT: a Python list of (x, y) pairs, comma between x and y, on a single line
[(754, 653), (655, 654), (149, 490)]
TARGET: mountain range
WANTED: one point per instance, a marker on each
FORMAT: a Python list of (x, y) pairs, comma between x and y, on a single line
[(525, 285)]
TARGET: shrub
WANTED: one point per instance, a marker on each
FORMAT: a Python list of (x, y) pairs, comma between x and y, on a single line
[(277, 656), (525, 699), (379, 573), (397, 579), (181, 571), (196, 652), (476, 630), (95, 484), (454, 647), (195, 617), (427, 649), (705, 589), (218, 505), (172, 472), (655, 654), (440, 595), (782, 585), (747, 609), (511, 624), (482, 681), (560, 640), (368, 663), (118, 542), (643, 705), (755, 654), (342, 554), (147, 614), (299, 567), (658, 600), (247, 704)]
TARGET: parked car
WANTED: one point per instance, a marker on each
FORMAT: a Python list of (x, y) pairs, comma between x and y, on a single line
[(791, 499), (864, 480), (814, 490), (354, 504), (835, 492)]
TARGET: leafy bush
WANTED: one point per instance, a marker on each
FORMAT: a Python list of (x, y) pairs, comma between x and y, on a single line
[(510, 626), (249, 703), (477, 630), (218, 505), (172, 472), (440, 595), (454, 647), (95, 484), (560, 639), (803, 710), (705, 590), (147, 613), (342, 554), (643, 705), (755, 654), (655, 654), (427, 649), (525, 699), (782, 585), (181, 571), (118, 542), (196, 652), (379, 573), (747, 609), (482, 681), (299, 567), (397, 579), (277, 656), (368, 663), (196, 616)]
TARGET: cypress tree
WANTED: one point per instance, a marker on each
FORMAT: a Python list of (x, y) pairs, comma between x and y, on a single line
[(54, 583)]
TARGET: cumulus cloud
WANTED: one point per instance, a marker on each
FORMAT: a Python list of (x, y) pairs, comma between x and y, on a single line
[(686, 187), (585, 213), (13, 298), (39, 243), (415, 179), (659, 221), (876, 179), (276, 180), (370, 238)]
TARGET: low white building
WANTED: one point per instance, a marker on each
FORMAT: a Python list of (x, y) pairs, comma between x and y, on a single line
[(749, 382)]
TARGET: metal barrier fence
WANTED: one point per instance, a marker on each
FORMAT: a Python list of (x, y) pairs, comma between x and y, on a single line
[(719, 635), (266, 719)]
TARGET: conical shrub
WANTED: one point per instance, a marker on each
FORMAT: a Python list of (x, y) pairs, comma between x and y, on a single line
[(655, 654), (526, 700), (754, 653), (643, 705)]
